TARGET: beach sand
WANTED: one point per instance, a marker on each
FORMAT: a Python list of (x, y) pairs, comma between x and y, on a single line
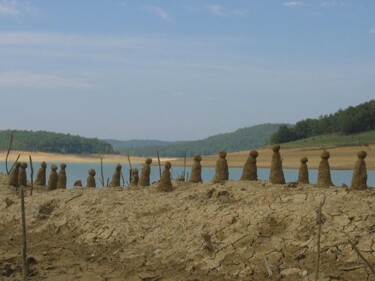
[(230, 231)]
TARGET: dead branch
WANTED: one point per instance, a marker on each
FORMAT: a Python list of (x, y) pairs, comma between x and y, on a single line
[(362, 257), (31, 175), (319, 219), (9, 149), (24, 238)]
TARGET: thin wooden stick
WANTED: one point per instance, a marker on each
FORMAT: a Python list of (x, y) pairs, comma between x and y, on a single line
[(362, 257), (123, 180), (24, 238), (15, 162), (101, 171), (319, 235), (185, 168), (131, 169), (31, 175), (157, 152), (9, 148)]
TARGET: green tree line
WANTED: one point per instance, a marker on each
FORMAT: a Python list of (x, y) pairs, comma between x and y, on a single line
[(352, 120), (53, 142)]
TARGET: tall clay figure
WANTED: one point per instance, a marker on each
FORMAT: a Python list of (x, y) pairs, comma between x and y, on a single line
[(324, 172), (41, 176), (53, 178), (359, 180), (22, 178), (116, 176), (196, 170), (303, 175), (276, 173), (61, 181), (165, 183), (145, 174), (13, 176), (250, 169), (221, 169)]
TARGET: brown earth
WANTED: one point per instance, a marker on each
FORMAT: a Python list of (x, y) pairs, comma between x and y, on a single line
[(231, 231)]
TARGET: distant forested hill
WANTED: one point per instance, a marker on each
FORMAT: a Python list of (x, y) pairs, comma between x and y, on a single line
[(352, 120), (53, 142), (242, 139), (120, 145)]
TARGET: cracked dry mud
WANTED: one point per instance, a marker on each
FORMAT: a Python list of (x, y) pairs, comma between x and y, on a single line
[(231, 231)]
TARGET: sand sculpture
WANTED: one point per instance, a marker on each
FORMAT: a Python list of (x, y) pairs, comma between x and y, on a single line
[(196, 170), (221, 169), (135, 177), (22, 178), (359, 179), (165, 183), (145, 174), (303, 175), (41, 176), (61, 182), (324, 172), (77, 183), (250, 170), (14, 173), (53, 178), (116, 176), (276, 173), (91, 178)]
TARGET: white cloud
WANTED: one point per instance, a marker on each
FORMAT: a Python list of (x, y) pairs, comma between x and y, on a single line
[(371, 30), (215, 9), (34, 80), (158, 11), (334, 3), (13, 8), (293, 4), (240, 13)]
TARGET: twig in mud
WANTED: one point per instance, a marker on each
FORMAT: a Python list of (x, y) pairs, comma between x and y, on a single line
[(24, 237), (131, 169), (101, 171), (157, 152), (319, 235), (74, 197), (9, 149), (15, 162), (362, 257), (269, 270), (185, 167), (123, 179), (31, 175)]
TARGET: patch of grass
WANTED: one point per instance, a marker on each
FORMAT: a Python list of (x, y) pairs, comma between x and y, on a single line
[(361, 139)]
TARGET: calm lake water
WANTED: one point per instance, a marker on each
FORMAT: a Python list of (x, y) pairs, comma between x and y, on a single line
[(78, 171)]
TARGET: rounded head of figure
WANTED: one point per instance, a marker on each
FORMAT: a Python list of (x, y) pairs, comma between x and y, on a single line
[(197, 158), (62, 166), (304, 160), (23, 165), (253, 153), (276, 147), (325, 155), (362, 154), (222, 154), (134, 171), (43, 165), (167, 165), (148, 161), (53, 167), (18, 164), (92, 172), (118, 167)]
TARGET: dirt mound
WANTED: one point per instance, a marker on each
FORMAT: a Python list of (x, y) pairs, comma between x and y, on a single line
[(226, 231)]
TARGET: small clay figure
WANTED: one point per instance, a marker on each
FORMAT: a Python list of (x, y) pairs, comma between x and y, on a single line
[(145, 174), (77, 183), (196, 170), (53, 178), (303, 175), (276, 173), (359, 180), (221, 169), (135, 177), (61, 182), (41, 176), (91, 178), (116, 176), (22, 177), (14, 173), (165, 183), (250, 170), (324, 172)]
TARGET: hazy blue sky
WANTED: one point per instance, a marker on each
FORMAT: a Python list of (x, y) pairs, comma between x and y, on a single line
[(176, 70)]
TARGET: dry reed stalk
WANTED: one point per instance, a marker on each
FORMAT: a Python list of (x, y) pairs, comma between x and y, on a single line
[(362, 257), (15, 162), (101, 171), (157, 152), (31, 175), (9, 149), (24, 238), (319, 235)]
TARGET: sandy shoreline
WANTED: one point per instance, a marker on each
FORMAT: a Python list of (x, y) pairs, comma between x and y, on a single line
[(342, 158)]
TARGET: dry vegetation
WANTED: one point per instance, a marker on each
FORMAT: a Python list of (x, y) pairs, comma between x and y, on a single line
[(231, 231)]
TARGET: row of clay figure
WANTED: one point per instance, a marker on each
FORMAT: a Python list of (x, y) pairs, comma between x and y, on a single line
[(17, 176), (249, 172)]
